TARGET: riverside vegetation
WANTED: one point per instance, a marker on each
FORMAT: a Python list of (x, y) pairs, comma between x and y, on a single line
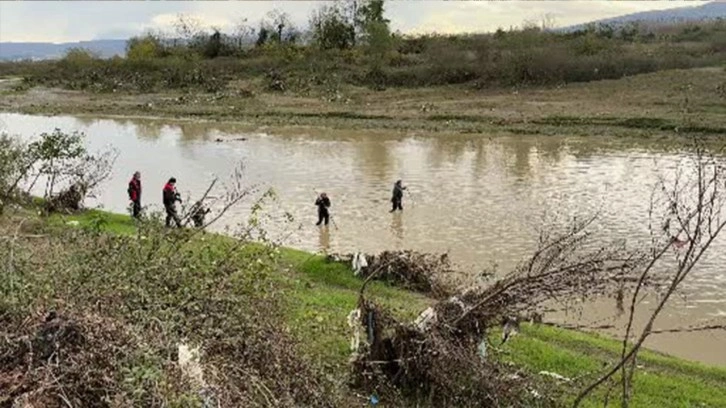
[(265, 326), (355, 47), (95, 308)]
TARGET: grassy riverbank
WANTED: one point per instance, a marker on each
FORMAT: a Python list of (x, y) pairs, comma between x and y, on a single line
[(316, 297), (656, 104)]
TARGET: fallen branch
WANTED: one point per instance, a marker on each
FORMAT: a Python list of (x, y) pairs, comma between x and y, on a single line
[(691, 329), (578, 326)]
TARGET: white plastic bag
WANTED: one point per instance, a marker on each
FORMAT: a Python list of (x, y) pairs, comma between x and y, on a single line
[(356, 264), (359, 262), (354, 324)]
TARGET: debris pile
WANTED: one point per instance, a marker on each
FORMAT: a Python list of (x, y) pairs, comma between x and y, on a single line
[(426, 273), (275, 81), (443, 356), (431, 366)]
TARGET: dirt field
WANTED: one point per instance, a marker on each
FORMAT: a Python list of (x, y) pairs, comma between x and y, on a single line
[(679, 101)]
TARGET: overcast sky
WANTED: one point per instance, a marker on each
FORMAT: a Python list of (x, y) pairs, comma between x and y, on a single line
[(65, 21)]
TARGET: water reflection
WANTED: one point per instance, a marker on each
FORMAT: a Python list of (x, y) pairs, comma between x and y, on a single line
[(480, 161), (324, 238), (148, 130), (522, 153), (551, 149), (397, 227), (376, 158), (86, 120), (193, 131), (446, 151)]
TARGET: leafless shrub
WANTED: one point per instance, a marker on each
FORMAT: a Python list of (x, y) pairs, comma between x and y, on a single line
[(439, 356), (263, 370), (686, 218)]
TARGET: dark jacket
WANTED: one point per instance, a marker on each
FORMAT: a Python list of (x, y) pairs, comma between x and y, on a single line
[(397, 192), (169, 195), (323, 204), (134, 190)]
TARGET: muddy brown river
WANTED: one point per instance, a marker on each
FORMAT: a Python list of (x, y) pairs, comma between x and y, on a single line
[(482, 199)]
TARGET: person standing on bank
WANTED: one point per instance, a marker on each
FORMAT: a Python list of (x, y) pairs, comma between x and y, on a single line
[(170, 196), (323, 203), (397, 197), (134, 191)]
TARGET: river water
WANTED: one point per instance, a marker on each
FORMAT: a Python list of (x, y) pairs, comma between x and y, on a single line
[(482, 199)]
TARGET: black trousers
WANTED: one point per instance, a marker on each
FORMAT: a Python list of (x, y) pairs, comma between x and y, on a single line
[(397, 205), (172, 215), (323, 216), (136, 211)]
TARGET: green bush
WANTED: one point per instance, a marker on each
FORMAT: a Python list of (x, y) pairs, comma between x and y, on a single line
[(143, 48), (362, 51)]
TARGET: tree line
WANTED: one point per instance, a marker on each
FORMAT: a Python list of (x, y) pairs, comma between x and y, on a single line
[(351, 43), (339, 25)]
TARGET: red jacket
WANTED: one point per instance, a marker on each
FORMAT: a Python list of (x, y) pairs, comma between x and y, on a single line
[(169, 195), (134, 190)]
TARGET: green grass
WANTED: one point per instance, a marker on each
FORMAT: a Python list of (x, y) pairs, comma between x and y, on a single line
[(323, 295), (320, 294), (111, 222), (662, 381)]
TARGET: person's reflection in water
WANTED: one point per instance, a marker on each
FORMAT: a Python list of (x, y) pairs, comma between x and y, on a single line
[(324, 239), (397, 226)]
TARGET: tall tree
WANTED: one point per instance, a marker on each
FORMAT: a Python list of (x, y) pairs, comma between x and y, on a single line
[(332, 28), (375, 28)]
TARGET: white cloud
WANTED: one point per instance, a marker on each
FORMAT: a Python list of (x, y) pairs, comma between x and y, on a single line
[(478, 16), (83, 20), (169, 21)]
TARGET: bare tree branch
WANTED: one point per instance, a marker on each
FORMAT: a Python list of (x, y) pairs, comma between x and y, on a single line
[(701, 222)]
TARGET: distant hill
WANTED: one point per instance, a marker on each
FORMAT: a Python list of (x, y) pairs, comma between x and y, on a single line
[(703, 12), (37, 50)]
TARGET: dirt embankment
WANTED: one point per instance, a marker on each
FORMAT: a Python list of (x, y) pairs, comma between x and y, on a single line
[(649, 104)]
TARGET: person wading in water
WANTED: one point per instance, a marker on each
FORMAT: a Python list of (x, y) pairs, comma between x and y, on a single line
[(323, 203), (170, 196), (397, 197), (134, 191)]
